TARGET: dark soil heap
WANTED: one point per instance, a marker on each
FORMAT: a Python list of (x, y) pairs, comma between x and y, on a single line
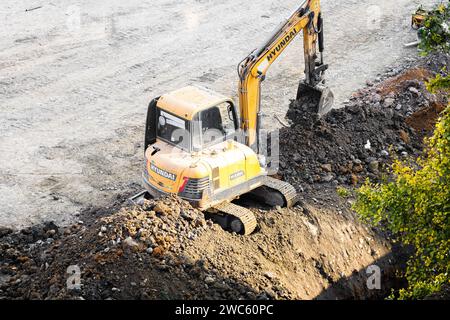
[(378, 124), (35, 261)]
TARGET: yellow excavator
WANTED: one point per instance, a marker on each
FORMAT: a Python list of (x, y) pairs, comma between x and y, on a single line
[(199, 147)]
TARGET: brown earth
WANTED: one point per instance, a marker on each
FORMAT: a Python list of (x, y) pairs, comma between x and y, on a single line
[(395, 84), (425, 120), (166, 250)]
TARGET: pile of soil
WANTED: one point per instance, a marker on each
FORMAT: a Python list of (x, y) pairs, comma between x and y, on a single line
[(381, 122), (112, 252), (166, 250)]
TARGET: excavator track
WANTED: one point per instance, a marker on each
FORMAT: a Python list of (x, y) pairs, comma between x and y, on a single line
[(239, 219), (274, 192), (287, 190)]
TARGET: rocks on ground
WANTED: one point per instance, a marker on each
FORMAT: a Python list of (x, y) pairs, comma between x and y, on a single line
[(380, 123)]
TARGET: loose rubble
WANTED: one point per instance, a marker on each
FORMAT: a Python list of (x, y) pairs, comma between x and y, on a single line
[(167, 250), (113, 245), (377, 125)]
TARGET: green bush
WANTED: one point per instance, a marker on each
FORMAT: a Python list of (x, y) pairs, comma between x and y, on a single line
[(435, 33), (440, 83), (343, 192), (415, 207)]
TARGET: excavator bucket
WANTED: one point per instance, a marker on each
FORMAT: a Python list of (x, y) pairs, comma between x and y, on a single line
[(321, 96)]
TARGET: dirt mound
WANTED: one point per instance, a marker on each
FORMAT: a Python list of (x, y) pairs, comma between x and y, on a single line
[(345, 146), (396, 84), (166, 250), (379, 123), (111, 249)]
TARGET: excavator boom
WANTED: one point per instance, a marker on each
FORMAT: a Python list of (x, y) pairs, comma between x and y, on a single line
[(307, 19)]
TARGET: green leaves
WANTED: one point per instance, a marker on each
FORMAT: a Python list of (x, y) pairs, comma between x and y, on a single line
[(415, 207), (440, 82), (435, 33)]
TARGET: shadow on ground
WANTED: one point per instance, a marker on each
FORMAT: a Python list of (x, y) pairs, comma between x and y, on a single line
[(362, 284)]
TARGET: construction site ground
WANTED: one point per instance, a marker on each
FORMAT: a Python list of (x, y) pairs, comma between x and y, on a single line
[(318, 249), (73, 100), (76, 77)]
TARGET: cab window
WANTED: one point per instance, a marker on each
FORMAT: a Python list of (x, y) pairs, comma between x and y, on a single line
[(213, 125), (172, 129)]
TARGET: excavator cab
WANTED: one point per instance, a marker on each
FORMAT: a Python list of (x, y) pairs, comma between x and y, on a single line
[(192, 150), (192, 128)]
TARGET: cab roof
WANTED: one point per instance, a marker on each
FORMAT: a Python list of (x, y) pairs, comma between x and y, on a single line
[(188, 101)]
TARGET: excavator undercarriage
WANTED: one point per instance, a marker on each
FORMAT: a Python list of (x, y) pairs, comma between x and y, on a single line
[(236, 218)]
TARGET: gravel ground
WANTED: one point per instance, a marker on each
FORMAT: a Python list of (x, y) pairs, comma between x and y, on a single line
[(76, 76)]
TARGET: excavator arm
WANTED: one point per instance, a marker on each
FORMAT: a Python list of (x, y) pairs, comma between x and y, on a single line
[(252, 70)]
